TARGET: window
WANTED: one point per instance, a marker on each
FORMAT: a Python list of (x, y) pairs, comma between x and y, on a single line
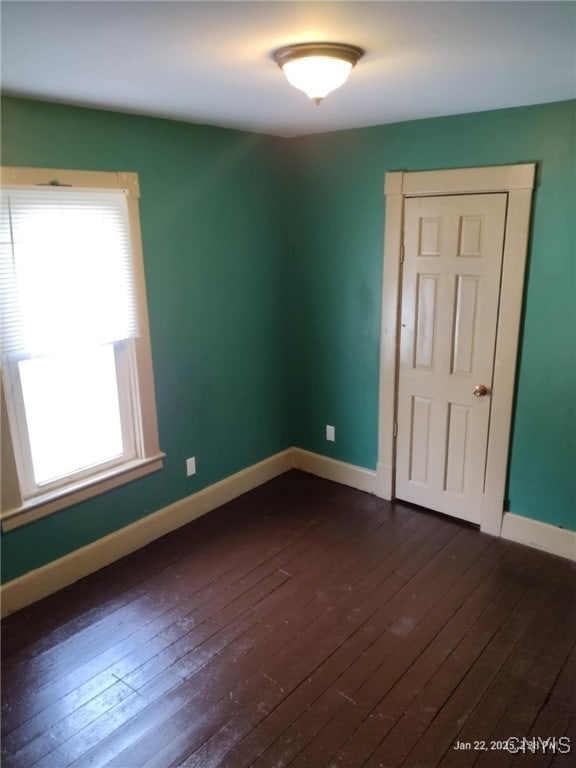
[(78, 401)]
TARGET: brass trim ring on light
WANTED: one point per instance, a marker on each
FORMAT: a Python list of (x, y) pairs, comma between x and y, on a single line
[(343, 51)]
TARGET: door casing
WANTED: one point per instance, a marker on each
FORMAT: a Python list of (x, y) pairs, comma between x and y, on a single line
[(518, 182)]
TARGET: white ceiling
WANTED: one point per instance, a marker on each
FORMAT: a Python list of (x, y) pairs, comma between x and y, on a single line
[(209, 62)]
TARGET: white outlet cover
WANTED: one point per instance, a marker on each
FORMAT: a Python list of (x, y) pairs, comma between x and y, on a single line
[(191, 466), (330, 433)]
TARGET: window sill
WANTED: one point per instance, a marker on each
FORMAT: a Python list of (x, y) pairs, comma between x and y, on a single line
[(53, 501)]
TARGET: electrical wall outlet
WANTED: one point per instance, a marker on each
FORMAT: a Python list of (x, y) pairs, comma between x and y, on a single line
[(191, 466), (330, 433)]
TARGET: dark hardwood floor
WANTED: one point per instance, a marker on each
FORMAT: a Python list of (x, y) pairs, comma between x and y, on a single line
[(304, 624)]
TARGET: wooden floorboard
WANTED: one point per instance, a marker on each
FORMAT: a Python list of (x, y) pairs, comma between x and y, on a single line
[(304, 624)]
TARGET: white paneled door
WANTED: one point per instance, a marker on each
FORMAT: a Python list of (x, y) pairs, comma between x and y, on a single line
[(452, 267)]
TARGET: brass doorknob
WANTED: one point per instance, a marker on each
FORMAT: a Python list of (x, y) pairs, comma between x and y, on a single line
[(480, 390)]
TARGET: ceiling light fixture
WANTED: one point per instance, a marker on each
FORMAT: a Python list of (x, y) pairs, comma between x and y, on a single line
[(317, 68)]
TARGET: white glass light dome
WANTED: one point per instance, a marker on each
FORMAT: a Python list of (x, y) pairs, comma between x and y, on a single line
[(317, 68)]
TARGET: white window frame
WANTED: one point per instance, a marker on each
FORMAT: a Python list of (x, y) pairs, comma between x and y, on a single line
[(130, 426), (21, 499)]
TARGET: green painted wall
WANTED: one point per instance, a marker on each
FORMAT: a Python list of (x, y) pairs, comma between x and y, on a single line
[(264, 264), (337, 259), (212, 227)]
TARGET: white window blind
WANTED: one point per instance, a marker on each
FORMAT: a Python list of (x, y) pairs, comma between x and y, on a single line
[(66, 277)]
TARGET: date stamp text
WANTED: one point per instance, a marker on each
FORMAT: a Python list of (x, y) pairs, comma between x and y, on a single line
[(550, 745)]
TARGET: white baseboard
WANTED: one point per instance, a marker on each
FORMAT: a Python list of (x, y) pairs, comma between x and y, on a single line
[(550, 538), (338, 471), (43, 581), (60, 573)]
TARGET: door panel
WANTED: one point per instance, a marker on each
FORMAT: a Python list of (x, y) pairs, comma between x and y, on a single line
[(453, 249), (420, 440)]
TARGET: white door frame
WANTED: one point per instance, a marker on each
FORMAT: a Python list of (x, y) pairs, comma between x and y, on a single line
[(518, 182)]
